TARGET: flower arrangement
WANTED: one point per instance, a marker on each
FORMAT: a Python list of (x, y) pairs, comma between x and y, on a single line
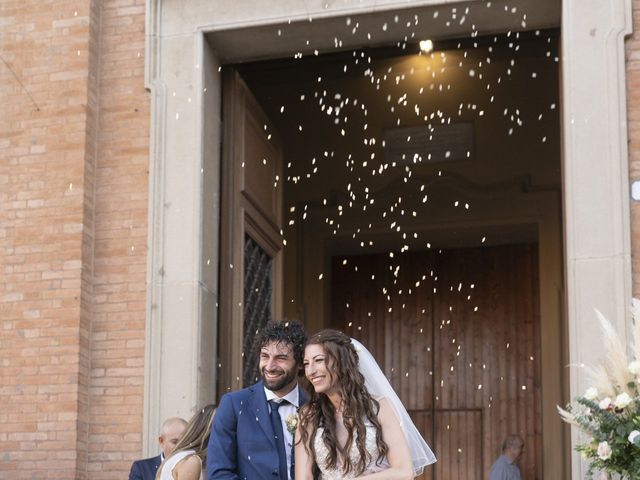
[(292, 423), (609, 411)]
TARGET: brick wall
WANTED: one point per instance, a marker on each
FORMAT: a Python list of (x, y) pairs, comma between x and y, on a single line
[(121, 206), (73, 223), (43, 134), (633, 114)]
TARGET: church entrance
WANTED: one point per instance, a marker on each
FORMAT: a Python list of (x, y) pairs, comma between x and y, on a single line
[(411, 199)]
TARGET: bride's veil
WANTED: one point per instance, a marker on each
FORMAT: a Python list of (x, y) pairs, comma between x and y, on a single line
[(379, 387)]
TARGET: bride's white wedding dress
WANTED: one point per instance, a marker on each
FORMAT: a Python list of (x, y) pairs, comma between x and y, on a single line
[(322, 452), (379, 388), (166, 469)]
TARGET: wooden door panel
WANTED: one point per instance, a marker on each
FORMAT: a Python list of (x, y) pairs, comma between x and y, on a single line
[(451, 430), (459, 433), (394, 323), (251, 206), (358, 309), (495, 356), (457, 333), (423, 420), (262, 171)]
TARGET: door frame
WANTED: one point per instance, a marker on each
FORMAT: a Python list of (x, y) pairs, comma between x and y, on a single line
[(181, 72)]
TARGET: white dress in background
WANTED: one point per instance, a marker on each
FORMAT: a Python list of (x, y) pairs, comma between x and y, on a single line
[(336, 473), (167, 467)]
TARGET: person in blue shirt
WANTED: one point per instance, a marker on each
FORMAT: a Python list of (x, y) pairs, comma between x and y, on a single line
[(505, 467)]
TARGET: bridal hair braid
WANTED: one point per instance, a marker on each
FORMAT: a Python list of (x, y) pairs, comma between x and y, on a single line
[(196, 433), (341, 360)]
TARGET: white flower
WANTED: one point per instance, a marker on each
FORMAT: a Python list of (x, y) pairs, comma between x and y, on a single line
[(634, 438), (591, 393), (605, 404), (292, 423), (604, 451), (622, 400), (634, 367)]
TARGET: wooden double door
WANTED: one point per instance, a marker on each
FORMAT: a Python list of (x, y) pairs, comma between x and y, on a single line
[(458, 334)]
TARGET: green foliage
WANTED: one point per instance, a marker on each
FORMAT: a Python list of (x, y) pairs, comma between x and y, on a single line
[(611, 417), (612, 425)]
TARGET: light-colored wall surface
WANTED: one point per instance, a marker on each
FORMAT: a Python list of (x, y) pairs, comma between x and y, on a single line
[(596, 182)]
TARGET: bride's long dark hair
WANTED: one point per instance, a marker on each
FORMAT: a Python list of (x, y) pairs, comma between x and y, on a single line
[(341, 359)]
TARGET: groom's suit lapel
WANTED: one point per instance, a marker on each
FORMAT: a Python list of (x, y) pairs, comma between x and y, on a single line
[(258, 406)]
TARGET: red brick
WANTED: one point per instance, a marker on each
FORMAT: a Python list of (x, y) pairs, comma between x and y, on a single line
[(72, 205)]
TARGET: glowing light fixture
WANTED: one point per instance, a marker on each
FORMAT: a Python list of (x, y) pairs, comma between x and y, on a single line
[(426, 46)]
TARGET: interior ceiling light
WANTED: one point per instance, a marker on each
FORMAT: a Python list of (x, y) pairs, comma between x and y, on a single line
[(426, 46)]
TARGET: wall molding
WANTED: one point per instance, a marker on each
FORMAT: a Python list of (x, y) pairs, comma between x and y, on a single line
[(596, 181)]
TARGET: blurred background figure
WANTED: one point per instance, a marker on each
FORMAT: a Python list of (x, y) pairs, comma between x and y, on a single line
[(505, 467), (170, 434), (190, 454)]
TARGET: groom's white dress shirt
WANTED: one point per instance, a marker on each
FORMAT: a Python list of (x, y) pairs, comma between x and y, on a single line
[(291, 408)]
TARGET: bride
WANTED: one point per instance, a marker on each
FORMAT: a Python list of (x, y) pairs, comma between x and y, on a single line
[(354, 425)]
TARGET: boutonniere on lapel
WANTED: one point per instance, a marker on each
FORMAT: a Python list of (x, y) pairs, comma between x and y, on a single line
[(292, 423)]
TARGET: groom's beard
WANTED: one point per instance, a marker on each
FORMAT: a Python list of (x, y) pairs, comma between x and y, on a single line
[(279, 383)]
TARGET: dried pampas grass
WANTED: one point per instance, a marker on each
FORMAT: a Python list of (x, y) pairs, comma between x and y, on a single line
[(613, 376)]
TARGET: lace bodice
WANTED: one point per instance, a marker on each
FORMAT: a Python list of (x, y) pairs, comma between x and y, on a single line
[(336, 473)]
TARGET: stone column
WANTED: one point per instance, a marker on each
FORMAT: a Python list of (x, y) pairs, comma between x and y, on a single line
[(182, 75), (596, 190)]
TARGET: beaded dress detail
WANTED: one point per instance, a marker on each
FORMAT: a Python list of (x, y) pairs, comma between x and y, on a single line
[(336, 473)]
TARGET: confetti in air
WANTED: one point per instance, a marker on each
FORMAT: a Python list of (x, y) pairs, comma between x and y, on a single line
[(406, 165)]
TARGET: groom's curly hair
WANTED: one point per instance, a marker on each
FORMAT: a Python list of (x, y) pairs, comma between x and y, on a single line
[(358, 407), (288, 332)]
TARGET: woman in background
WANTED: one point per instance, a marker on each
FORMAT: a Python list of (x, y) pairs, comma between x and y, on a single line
[(190, 454)]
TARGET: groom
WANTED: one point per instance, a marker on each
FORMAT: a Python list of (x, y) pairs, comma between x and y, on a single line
[(250, 438)]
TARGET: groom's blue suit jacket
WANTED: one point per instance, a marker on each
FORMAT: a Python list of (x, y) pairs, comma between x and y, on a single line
[(242, 443)]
